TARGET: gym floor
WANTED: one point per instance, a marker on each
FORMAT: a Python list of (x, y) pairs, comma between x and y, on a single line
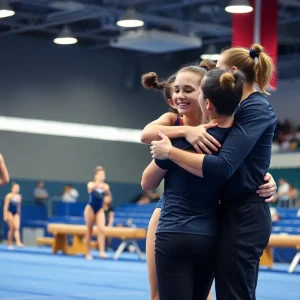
[(35, 274)]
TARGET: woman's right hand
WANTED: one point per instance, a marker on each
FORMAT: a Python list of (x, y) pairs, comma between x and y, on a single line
[(5, 217), (91, 186), (200, 139)]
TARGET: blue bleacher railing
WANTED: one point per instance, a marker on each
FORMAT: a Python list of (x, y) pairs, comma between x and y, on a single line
[(131, 215)]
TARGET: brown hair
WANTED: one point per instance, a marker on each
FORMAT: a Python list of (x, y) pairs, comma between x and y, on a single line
[(224, 90), (194, 69), (208, 64), (98, 168), (227, 81), (150, 80), (255, 63), (13, 184)]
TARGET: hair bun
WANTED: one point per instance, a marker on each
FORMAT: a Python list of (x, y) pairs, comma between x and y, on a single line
[(227, 81), (208, 64), (150, 80), (257, 48)]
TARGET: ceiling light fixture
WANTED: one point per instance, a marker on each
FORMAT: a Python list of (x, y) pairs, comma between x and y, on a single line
[(239, 7), (65, 37), (5, 9), (130, 19), (211, 53)]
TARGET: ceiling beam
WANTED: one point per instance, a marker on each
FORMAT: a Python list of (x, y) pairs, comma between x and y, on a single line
[(193, 26), (180, 5), (95, 11), (45, 25), (291, 3), (288, 40), (289, 20), (88, 35)]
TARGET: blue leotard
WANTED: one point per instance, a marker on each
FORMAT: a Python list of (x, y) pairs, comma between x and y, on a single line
[(13, 205), (96, 199)]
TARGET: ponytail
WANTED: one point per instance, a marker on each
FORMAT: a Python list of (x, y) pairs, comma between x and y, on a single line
[(255, 63), (263, 67)]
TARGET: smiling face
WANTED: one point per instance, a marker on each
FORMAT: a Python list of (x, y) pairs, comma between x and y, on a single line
[(187, 92)]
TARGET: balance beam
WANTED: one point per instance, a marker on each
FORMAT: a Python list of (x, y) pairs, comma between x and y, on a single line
[(281, 241), (61, 231), (49, 241), (45, 241)]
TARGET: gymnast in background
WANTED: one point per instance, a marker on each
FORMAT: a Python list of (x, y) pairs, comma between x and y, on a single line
[(98, 190), (12, 215)]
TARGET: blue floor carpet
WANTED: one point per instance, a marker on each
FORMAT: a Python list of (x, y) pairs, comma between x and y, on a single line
[(35, 274)]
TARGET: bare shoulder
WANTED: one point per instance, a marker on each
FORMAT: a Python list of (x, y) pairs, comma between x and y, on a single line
[(169, 117), (8, 196), (90, 185)]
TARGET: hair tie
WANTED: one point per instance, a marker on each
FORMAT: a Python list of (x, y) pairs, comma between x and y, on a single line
[(253, 53)]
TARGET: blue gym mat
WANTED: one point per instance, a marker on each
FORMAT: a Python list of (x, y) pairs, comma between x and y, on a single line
[(35, 274)]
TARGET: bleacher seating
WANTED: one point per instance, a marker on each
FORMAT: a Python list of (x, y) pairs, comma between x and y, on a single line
[(289, 223), (139, 216), (66, 213)]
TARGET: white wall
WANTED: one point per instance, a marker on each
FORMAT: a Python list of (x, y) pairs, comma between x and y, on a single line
[(43, 81), (285, 160)]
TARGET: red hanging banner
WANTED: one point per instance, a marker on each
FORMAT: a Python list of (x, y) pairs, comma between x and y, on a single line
[(243, 28), (259, 26)]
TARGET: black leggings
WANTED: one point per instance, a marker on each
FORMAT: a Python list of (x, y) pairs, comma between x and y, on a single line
[(184, 265), (244, 233)]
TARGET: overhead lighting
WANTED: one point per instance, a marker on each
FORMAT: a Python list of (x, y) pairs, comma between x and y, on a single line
[(239, 7), (130, 19), (211, 53), (65, 37), (5, 9)]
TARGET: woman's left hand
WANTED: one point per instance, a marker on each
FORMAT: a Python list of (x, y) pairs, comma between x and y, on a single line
[(268, 190), (160, 149)]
